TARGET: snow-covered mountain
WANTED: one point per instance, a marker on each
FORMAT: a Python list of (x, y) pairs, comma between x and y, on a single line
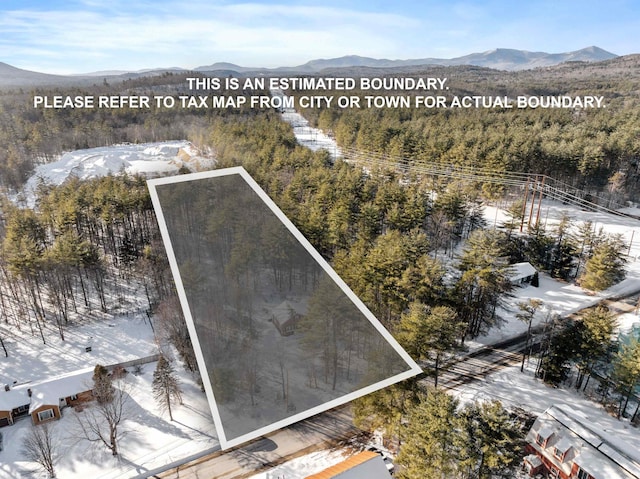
[(499, 59)]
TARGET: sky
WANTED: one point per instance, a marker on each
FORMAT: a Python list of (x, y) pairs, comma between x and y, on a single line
[(81, 36)]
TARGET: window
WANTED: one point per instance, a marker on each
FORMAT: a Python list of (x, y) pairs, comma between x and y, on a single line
[(558, 453), (46, 414), (582, 474), (540, 440), (74, 397)]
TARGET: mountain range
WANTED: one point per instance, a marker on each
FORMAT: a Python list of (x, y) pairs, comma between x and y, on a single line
[(498, 59)]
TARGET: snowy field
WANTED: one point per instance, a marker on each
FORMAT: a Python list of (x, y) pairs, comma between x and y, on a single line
[(312, 138), (144, 159)]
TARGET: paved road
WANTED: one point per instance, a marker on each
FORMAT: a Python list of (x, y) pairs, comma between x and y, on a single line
[(320, 432)]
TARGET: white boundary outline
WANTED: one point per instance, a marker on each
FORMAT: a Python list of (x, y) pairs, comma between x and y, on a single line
[(413, 370)]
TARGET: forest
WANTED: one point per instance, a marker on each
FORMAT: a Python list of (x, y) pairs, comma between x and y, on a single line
[(417, 252)]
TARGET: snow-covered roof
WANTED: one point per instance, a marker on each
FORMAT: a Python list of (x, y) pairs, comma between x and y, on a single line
[(545, 432), (47, 391), (534, 460), (51, 390), (521, 271), (564, 444), (594, 452), (13, 399)]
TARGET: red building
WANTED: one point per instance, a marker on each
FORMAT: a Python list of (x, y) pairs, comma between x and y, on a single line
[(565, 445)]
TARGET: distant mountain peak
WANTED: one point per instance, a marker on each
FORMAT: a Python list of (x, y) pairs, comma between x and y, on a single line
[(498, 58)]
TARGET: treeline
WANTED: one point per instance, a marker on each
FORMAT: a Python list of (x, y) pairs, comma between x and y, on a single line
[(31, 136), (71, 254), (593, 148), (590, 346)]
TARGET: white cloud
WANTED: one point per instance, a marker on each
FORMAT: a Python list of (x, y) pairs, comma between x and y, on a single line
[(274, 33)]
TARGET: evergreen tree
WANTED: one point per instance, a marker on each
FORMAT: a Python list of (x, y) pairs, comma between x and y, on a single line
[(484, 282), (491, 442), (429, 444), (429, 333), (539, 247), (564, 251), (626, 373), (102, 385), (384, 410), (527, 312), (605, 267), (515, 217), (595, 337), (166, 388)]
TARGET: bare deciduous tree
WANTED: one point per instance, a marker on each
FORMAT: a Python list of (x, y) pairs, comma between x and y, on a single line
[(99, 423), (41, 446)]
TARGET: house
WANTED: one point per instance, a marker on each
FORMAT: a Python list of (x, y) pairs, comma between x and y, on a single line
[(44, 400), (13, 404), (567, 446), (365, 464), (522, 273), (285, 318)]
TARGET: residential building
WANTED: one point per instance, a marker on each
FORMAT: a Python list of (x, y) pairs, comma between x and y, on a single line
[(568, 446), (44, 400)]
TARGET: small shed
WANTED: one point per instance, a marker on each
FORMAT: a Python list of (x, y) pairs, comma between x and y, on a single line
[(522, 273)]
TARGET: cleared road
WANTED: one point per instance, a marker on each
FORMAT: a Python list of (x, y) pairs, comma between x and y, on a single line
[(319, 432)]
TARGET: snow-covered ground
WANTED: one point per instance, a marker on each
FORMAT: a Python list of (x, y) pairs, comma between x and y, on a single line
[(144, 159), (306, 465), (313, 138), (557, 296), (150, 440), (522, 390)]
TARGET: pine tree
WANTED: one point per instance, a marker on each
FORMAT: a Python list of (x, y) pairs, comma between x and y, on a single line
[(605, 267), (626, 373), (166, 389), (429, 333), (596, 332), (385, 409), (564, 251), (484, 282), (429, 443), (527, 312), (491, 442), (102, 385)]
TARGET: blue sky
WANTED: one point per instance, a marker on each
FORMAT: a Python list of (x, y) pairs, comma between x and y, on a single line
[(90, 35)]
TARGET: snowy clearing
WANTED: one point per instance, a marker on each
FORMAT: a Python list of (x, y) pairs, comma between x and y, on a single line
[(144, 159)]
